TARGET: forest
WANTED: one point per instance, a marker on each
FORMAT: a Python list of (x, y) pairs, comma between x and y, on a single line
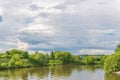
[(16, 58)]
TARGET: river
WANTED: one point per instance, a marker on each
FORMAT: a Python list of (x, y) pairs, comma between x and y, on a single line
[(59, 72)]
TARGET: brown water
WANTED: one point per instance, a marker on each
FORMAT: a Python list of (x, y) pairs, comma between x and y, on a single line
[(59, 72)]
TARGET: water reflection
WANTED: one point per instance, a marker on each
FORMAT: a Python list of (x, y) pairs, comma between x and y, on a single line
[(59, 72), (111, 77)]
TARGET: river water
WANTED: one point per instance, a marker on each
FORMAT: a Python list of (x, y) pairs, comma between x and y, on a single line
[(59, 72)]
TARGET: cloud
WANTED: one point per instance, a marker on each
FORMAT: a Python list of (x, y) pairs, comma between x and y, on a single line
[(94, 51), (76, 26), (1, 11), (22, 45)]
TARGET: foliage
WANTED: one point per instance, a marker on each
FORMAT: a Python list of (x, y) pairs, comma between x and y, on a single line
[(11, 63), (54, 62), (39, 59), (25, 55), (65, 57), (89, 60), (117, 48), (52, 55), (112, 63), (75, 59), (15, 58)]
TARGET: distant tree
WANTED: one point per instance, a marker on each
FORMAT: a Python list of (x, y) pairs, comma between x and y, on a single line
[(117, 48), (68, 57), (25, 55), (16, 57), (40, 58), (11, 63), (89, 60), (14, 51), (59, 56), (52, 55), (65, 57), (75, 59)]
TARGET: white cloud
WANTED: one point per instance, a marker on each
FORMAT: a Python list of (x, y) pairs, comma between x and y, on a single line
[(39, 28), (94, 51), (1, 49), (1, 11), (22, 45), (65, 25), (103, 31)]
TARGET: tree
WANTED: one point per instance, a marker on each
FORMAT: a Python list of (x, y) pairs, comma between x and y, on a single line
[(89, 60), (75, 59), (117, 48), (25, 55), (59, 56), (68, 57), (16, 57), (112, 63), (40, 58), (65, 57), (52, 55), (12, 51), (11, 63)]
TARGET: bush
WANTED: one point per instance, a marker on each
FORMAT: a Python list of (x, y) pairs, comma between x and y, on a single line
[(52, 62), (112, 63), (4, 65), (89, 60)]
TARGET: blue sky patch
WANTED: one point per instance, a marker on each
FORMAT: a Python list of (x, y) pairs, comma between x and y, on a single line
[(1, 18)]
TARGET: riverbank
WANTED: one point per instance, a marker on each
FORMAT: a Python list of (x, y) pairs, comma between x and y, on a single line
[(15, 58), (117, 73), (71, 64)]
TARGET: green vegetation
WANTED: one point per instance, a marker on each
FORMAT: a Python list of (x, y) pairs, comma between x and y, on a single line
[(89, 60), (18, 59), (112, 62), (15, 58)]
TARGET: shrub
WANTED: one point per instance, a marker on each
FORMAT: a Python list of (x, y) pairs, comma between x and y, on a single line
[(89, 60), (51, 62), (112, 63)]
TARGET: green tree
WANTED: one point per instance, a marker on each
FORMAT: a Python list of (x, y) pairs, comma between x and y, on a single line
[(68, 57), (12, 51), (52, 55), (25, 55), (112, 63), (40, 58), (89, 60), (75, 59), (65, 57), (117, 48), (11, 63)]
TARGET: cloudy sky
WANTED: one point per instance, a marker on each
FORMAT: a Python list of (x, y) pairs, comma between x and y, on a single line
[(78, 26)]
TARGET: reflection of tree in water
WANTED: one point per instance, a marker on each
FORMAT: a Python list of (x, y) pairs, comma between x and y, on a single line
[(14, 74), (111, 77), (66, 70), (39, 72), (43, 72), (86, 67), (61, 70)]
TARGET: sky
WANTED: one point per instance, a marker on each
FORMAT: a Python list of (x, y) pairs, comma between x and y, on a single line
[(78, 26)]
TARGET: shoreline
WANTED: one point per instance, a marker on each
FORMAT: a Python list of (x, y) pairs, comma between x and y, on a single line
[(117, 73), (49, 65)]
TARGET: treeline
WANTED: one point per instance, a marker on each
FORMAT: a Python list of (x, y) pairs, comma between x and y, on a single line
[(15, 58), (112, 62)]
